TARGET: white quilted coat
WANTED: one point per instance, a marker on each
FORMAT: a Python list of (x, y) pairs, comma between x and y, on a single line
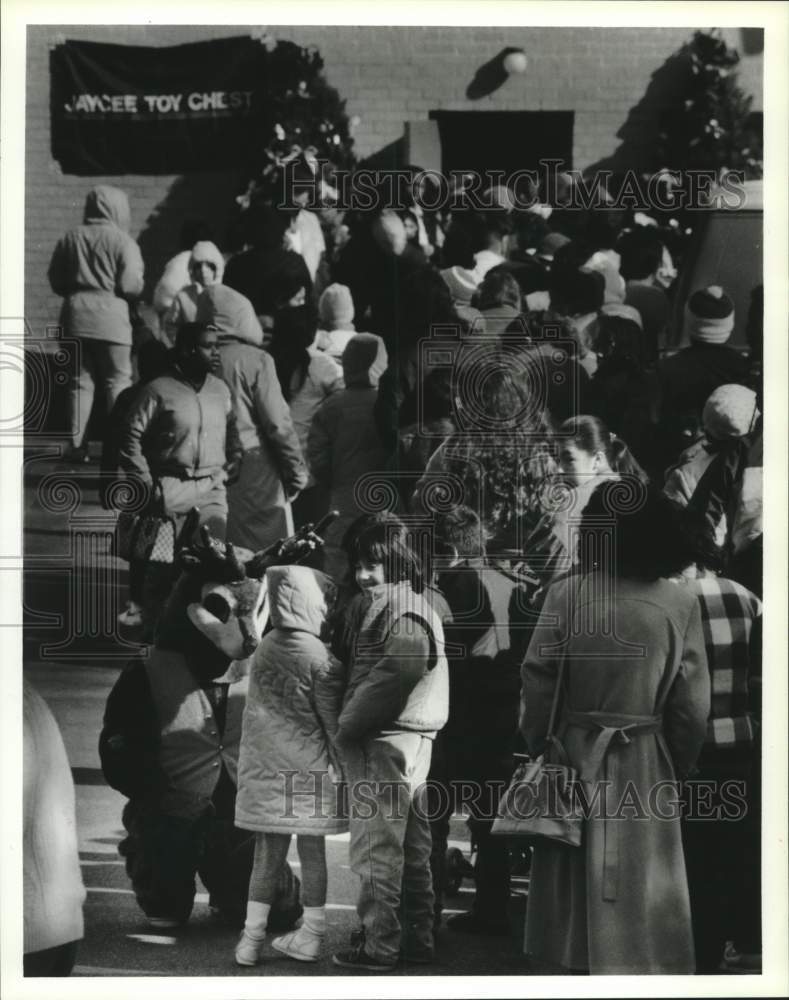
[(285, 784)]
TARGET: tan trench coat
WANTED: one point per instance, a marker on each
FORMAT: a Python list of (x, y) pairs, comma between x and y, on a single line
[(619, 903)]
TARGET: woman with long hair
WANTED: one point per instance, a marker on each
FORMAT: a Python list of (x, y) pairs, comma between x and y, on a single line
[(588, 454)]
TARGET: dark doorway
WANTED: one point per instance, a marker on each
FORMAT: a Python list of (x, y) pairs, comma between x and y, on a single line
[(484, 141)]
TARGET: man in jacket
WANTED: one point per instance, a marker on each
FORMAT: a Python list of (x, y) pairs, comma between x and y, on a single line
[(180, 433), (97, 268)]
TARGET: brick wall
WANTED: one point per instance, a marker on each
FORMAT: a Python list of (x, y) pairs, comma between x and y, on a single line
[(388, 76)]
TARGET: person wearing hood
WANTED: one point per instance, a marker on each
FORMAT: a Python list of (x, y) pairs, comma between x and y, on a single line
[(271, 471), (344, 444), (206, 267), (336, 316), (708, 478), (97, 269), (176, 271), (230, 313), (290, 720)]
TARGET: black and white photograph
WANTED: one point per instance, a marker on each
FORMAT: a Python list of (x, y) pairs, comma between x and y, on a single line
[(394, 487)]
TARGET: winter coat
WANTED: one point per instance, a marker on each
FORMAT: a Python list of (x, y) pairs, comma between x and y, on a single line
[(174, 277), (708, 479), (272, 466), (324, 376), (184, 305), (343, 443), (97, 268), (397, 678), (618, 903), (173, 429), (53, 888), (285, 784)]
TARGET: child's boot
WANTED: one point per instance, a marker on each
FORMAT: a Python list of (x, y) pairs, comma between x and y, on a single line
[(250, 943), (306, 943)]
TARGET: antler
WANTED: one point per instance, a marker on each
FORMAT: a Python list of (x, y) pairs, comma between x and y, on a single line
[(211, 558)]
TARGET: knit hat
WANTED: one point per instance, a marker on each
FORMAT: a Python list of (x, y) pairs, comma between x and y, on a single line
[(709, 316), (335, 308), (730, 412)]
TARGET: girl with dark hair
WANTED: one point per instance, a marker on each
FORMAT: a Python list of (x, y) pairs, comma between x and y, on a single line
[(588, 455), (633, 706), (396, 700)]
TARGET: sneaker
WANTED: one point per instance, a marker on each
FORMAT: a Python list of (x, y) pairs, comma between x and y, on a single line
[(357, 958), (248, 950), (473, 923), (300, 944)]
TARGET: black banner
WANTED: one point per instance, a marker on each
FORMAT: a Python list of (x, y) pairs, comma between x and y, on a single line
[(119, 109)]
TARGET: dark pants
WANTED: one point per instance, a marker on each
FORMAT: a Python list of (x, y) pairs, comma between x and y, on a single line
[(164, 853), (723, 862), (455, 779), (57, 961)]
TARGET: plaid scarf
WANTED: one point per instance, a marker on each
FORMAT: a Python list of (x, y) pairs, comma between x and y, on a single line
[(728, 613)]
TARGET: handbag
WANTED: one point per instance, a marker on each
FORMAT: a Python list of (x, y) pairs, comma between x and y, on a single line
[(145, 537), (539, 801)]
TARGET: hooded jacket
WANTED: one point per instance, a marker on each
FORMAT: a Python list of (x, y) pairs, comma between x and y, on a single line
[(185, 303), (290, 720), (96, 268), (231, 313)]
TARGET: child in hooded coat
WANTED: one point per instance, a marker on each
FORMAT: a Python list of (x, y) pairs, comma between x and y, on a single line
[(206, 268), (288, 775)]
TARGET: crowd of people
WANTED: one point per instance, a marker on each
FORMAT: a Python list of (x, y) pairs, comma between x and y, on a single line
[(541, 495)]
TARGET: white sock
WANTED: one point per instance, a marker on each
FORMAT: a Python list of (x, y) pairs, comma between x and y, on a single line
[(257, 918), (314, 921)]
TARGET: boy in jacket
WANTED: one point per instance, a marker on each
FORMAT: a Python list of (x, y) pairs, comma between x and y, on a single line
[(395, 701)]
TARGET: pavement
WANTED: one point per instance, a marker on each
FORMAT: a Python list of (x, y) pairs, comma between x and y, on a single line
[(73, 591)]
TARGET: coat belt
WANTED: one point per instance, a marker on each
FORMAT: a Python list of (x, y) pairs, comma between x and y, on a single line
[(621, 728)]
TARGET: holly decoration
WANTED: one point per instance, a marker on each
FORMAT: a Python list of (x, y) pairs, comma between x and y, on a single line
[(302, 117), (708, 125)]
